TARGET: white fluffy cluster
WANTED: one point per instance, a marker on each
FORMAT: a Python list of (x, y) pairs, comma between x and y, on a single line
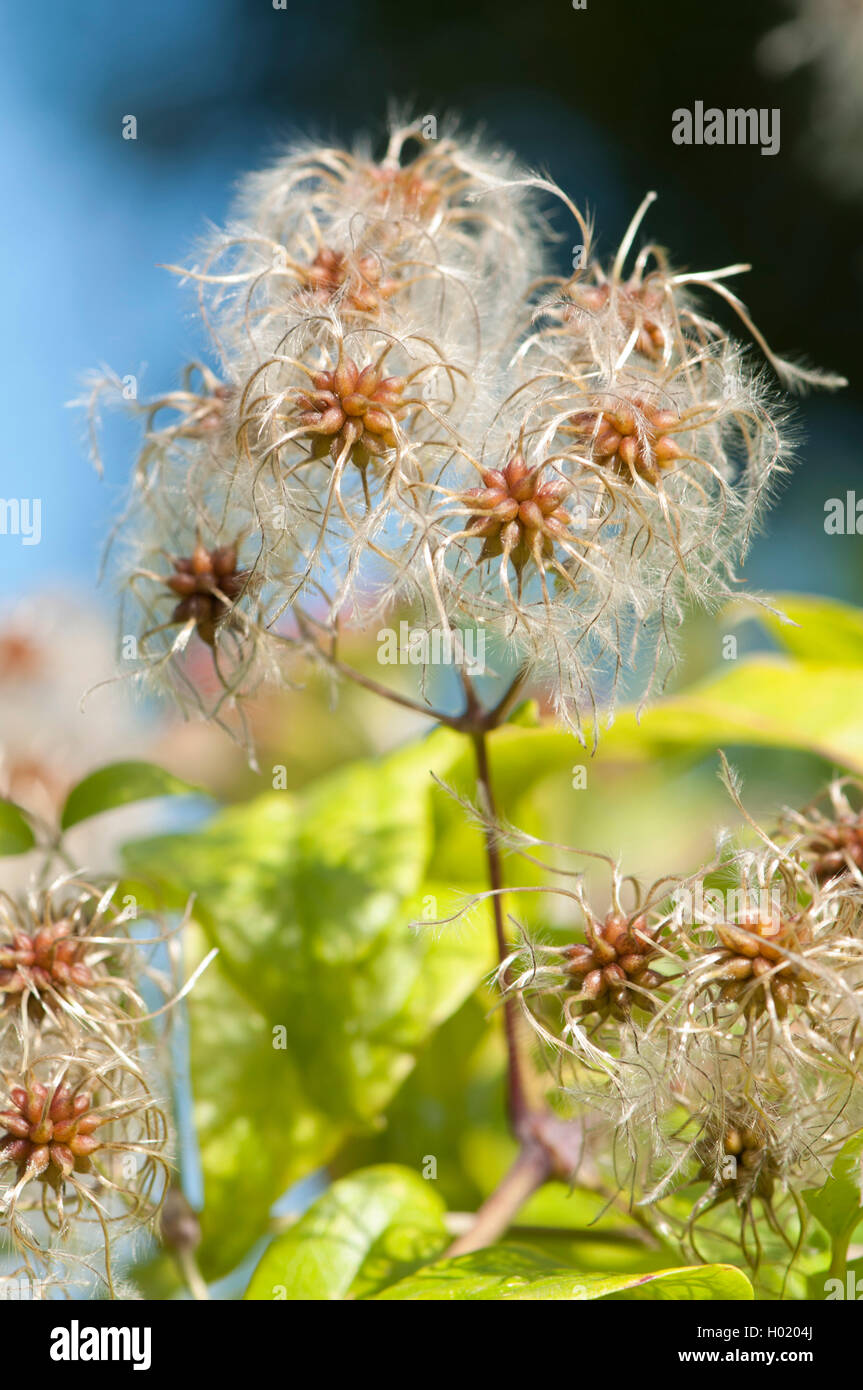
[(713, 1022), (409, 408)]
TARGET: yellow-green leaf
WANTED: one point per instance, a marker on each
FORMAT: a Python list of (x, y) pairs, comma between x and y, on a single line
[(826, 630), (520, 1274), (323, 993), (838, 1204), (119, 784), (16, 833), (365, 1232)]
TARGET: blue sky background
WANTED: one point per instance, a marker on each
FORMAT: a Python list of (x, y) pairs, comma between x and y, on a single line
[(87, 216)]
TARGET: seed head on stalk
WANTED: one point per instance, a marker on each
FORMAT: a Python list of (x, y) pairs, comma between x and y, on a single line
[(407, 408), (827, 835), (70, 962), (83, 1154)]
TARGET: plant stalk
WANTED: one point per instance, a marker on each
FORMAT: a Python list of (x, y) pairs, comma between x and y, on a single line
[(530, 1170), (517, 1104)]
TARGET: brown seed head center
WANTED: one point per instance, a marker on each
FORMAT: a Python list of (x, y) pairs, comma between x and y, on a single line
[(613, 965), (48, 1135), (632, 440), (206, 583), (48, 957), (517, 514), (352, 409)]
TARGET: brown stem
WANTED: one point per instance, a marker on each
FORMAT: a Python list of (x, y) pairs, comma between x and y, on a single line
[(528, 1173), (368, 682), (474, 720), (516, 1097), (499, 713), (195, 1281), (376, 688), (550, 1147)]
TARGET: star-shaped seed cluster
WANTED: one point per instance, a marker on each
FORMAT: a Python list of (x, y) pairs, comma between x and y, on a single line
[(752, 964), (48, 1134), (835, 847), (404, 190), (743, 1138), (630, 439), (363, 278), (206, 582), (517, 514), (613, 966), (353, 410), (637, 306), (50, 957)]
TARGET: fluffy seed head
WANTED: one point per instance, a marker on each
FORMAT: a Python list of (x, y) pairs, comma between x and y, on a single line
[(397, 418)]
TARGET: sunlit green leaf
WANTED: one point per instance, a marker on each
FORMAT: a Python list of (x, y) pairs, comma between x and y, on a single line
[(838, 1204), (769, 701), (826, 630), (842, 1287), (16, 833), (455, 1091), (515, 1273), (323, 991), (367, 1231), (119, 784), (256, 1130)]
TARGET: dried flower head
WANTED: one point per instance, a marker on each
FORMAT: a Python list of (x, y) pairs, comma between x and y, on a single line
[(438, 225), (772, 970), (82, 1145), (754, 962), (613, 316), (517, 514), (358, 282), (49, 1136), (633, 438), (613, 966), (752, 1153), (710, 1024), (353, 410), (196, 595), (828, 835), (396, 417), (592, 998), (207, 583), (69, 961)]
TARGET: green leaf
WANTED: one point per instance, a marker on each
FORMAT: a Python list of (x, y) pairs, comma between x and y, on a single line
[(827, 631), (119, 784), (837, 1204), (16, 833), (256, 1131), (519, 1273), (323, 993), (366, 1232), (768, 701), (452, 1101)]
